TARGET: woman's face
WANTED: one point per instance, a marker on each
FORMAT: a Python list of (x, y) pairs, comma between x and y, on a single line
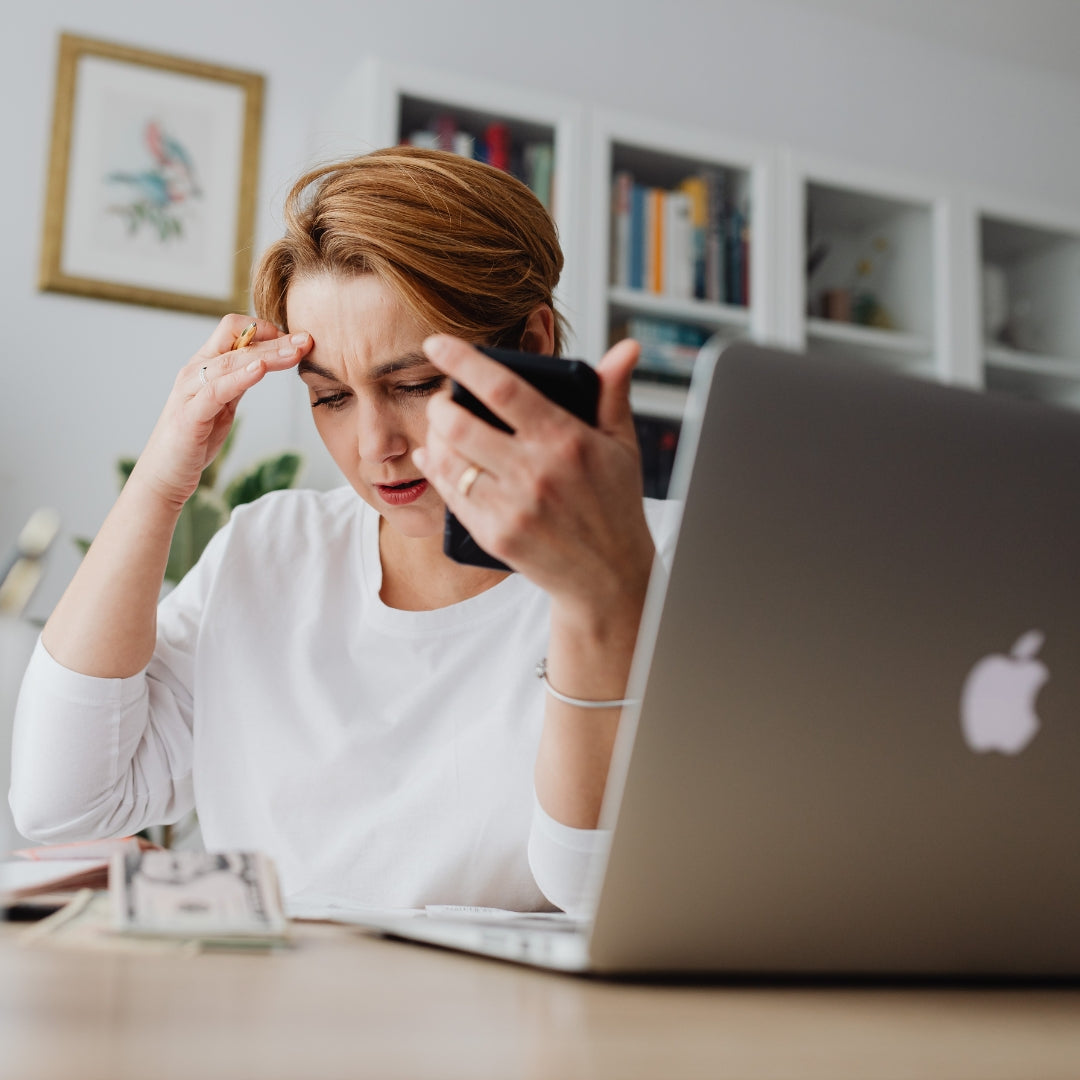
[(369, 383)]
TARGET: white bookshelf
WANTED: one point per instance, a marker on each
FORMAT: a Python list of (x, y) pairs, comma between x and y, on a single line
[(382, 104), (865, 261), (935, 257), (1028, 301), (661, 155)]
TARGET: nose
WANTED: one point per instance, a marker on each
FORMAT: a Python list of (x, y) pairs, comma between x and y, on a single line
[(379, 435)]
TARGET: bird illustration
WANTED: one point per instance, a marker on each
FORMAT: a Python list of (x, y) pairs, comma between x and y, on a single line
[(156, 191)]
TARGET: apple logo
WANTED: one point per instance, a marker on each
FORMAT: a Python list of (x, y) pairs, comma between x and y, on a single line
[(997, 706)]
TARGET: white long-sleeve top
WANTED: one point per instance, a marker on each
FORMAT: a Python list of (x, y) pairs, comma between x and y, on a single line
[(380, 755)]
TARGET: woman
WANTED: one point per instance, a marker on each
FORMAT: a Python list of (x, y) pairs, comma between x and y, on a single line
[(325, 685)]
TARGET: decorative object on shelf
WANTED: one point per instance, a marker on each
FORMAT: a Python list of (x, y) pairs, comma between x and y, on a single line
[(859, 300), (866, 307), (207, 509), (152, 178)]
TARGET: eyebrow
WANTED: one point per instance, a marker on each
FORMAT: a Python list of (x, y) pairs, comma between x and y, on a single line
[(401, 363)]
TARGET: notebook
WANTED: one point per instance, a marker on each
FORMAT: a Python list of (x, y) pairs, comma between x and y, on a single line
[(858, 741)]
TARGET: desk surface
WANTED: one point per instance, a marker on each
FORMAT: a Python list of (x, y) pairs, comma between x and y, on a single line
[(341, 1004)]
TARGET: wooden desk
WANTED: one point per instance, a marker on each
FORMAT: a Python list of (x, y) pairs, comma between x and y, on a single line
[(344, 1005)]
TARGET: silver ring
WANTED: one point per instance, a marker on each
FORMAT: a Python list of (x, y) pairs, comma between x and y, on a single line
[(466, 481), (202, 376)]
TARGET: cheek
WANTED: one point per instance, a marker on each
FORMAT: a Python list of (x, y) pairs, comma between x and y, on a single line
[(334, 434)]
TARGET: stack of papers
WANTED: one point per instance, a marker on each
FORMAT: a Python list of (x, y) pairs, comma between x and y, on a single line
[(48, 877), (142, 898)]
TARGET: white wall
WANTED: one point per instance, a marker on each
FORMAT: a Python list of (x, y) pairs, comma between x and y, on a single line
[(81, 381)]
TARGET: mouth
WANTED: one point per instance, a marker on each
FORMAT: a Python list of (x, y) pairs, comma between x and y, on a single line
[(400, 494)]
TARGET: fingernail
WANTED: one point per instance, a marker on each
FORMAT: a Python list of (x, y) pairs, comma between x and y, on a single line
[(436, 345), (419, 458), (253, 365), (286, 350), (299, 339)]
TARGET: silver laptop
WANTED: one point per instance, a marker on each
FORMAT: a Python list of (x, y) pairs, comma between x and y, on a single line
[(858, 747)]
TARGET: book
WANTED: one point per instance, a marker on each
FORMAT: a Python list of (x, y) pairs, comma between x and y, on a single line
[(658, 439), (464, 144), (654, 243), (621, 224), (677, 262), (696, 190), (734, 254), (539, 165), (716, 236), (637, 236), (445, 131), (497, 139), (669, 348)]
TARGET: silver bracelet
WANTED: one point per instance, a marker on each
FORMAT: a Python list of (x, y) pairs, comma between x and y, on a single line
[(581, 703)]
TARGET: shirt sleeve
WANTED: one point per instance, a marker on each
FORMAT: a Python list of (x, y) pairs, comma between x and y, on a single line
[(563, 861), (95, 758)]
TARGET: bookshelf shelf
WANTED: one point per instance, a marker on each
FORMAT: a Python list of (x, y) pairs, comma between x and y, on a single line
[(383, 104), (1014, 360), (892, 348), (624, 301), (965, 287), (1029, 304), (716, 270), (865, 255), (658, 400)]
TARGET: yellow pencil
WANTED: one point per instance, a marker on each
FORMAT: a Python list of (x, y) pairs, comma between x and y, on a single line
[(245, 338)]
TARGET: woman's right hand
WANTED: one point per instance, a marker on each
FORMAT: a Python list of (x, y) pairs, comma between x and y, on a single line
[(201, 408)]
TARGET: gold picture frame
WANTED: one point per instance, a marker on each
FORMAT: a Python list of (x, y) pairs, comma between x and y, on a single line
[(152, 179)]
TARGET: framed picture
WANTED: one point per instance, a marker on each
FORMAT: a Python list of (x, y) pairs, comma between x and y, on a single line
[(152, 177)]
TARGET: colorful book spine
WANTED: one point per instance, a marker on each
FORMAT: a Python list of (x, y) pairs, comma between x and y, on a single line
[(497, 138), (655, 249), (716, 237), (678, 265), (695, 189), (539, 161), (637, 237), (621, 225)]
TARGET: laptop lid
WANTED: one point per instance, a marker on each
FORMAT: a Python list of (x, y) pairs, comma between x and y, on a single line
[(858, 744)]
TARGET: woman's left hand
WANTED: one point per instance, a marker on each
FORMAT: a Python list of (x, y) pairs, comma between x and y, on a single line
[(558, 500)]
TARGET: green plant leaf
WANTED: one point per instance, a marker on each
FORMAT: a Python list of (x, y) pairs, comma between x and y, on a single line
[(82, 543), (270, 474), (123, 469), (203, 514), (210, 473)]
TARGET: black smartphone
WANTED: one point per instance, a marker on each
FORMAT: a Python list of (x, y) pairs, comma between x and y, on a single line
[(571, 384)]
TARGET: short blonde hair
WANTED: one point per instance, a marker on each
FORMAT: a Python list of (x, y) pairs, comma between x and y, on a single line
[(468, 249)]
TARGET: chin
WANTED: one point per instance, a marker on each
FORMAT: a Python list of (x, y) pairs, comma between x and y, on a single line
[(420, 521)]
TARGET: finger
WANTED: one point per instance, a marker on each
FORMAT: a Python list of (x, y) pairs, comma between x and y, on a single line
[(230, 328), (454, 430), (455, 478), (276, 354), (614, 414), (509, 397), (225, 379)]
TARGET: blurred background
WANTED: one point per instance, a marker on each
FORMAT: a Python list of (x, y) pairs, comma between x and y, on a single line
[(963, 95)]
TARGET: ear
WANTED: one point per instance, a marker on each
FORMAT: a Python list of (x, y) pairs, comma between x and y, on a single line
[(539, 333)]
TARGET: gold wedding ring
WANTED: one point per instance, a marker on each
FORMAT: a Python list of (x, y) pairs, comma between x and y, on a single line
[(245, 337), (466, 481)]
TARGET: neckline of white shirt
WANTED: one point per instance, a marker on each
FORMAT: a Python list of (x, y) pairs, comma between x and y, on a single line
[(506, 595)]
